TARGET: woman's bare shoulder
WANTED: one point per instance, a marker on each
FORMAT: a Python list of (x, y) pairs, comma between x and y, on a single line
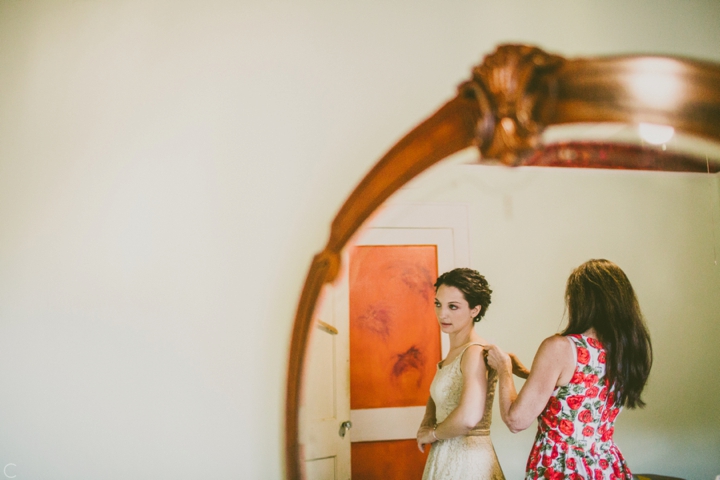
[(473, 355), (555, 345)]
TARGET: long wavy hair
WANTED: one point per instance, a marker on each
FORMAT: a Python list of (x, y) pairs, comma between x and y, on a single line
[(599, 295), (473, 286)]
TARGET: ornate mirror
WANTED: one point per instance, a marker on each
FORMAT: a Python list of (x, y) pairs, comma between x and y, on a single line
[(508, 110)]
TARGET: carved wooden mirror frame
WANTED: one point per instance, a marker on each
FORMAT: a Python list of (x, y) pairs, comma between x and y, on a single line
[(512, 96)]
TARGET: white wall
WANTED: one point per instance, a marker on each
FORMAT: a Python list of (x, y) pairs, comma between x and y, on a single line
[(167, 170), (531, 226)]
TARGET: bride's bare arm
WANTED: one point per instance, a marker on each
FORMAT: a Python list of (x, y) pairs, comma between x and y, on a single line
[(427, 425), (471, 408), (429, 418)]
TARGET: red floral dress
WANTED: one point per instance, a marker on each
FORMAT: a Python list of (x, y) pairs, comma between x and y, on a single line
[(574, 439)]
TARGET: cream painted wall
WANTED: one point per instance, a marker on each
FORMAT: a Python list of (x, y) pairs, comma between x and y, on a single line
[(167, 170), (531, 226)]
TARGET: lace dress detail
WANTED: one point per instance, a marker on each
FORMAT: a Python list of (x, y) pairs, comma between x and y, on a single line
[(467, 457), (574, 439)]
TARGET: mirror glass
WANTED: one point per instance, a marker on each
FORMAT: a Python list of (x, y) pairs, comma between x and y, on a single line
[(525, 229)]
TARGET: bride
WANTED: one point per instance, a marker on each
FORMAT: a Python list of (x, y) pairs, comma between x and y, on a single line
[(458, 414)]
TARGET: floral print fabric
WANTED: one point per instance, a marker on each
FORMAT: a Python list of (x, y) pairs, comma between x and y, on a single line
[(574, 439)]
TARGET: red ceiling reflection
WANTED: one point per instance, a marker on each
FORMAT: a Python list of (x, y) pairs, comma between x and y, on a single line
[(618, 156)]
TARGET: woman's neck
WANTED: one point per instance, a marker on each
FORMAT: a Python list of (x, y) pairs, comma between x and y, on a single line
[(463, 337)]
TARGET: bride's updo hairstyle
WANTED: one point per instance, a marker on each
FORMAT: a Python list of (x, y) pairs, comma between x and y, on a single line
[(474, 287)]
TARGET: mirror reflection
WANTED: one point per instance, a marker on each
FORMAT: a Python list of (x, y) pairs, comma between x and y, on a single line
[(376, 341)]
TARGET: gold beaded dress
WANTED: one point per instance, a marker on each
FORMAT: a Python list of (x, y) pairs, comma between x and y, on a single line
[(467, 457)]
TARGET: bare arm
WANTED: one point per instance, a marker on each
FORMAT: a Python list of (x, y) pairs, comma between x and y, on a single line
[(427, 424), (518, 369), (471, 407), (553, 360), (429, 418)]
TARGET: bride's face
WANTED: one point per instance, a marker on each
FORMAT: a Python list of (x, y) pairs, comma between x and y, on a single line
[(452, 310)]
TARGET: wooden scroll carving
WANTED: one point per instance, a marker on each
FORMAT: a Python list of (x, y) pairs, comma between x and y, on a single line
[(516, 92), (509, 84)]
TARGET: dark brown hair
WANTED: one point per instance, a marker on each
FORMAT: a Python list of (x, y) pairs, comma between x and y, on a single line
[(474, 287), (599, 295)]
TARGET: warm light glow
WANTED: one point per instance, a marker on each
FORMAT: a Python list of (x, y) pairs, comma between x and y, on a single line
[(655, 134), (658, 85)]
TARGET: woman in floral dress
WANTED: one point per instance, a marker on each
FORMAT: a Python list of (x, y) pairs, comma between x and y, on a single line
[(581, 379)]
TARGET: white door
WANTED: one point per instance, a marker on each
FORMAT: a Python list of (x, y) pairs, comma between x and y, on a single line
[(326, 399), (399, 423), (444, 226)]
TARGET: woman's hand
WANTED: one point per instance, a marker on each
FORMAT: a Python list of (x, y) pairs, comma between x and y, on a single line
[(425, 437), (497, 359)]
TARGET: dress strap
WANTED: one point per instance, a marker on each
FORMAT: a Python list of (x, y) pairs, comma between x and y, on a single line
[(574, 341), (470, 345), (458, 357)]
